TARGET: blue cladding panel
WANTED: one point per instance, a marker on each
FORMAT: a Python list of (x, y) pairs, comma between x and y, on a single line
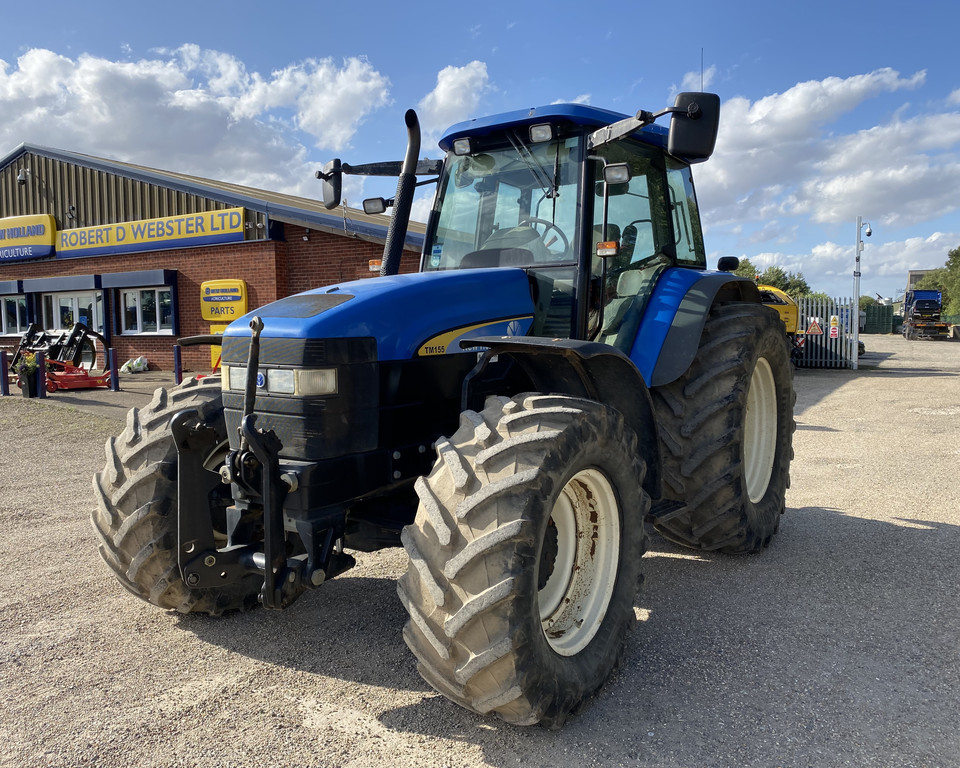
[(658, 317), (403, 311)]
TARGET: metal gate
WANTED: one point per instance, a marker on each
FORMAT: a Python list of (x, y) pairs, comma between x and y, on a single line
[(828, 333)]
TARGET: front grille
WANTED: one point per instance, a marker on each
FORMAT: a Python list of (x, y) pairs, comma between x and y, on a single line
[(300, 353)]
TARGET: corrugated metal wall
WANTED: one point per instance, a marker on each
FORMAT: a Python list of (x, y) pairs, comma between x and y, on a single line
[(85, 197), (879, 318)]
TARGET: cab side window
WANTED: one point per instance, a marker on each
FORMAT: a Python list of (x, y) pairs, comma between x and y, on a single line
[(688, 236)]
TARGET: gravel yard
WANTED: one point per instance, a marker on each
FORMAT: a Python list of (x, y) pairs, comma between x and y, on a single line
[(837, 646)]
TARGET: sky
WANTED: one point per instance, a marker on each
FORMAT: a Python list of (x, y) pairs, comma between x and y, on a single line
[(830, 110)]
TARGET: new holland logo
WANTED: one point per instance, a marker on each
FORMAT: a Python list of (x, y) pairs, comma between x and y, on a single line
[(514, 328), (261, 380)]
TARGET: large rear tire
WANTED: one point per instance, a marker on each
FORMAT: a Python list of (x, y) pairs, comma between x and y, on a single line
[(726, 431), (524, 558), (136, 514)]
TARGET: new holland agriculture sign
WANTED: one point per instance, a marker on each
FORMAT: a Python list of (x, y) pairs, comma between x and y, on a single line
[(208, 228), (26, 237)]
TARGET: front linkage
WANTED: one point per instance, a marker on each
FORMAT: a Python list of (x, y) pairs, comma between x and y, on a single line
[(255, 536)]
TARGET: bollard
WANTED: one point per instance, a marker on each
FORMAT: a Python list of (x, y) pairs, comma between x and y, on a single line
[(4, 374), (177, 365), (41, 375), (114, 371)]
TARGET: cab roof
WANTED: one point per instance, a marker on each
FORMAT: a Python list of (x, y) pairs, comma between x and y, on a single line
[(578, 114)]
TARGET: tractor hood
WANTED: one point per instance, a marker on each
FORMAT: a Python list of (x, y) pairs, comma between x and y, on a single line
[(420, 314)]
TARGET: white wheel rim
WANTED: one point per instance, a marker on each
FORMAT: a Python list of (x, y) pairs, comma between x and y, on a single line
[(574, 600), (760, 431)]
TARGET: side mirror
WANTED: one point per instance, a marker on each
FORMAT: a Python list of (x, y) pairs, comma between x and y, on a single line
[(332, 178), (693, 127), (728, 263)]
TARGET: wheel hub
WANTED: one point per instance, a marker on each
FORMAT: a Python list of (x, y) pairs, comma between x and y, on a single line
[(578, 562), (760, 431)]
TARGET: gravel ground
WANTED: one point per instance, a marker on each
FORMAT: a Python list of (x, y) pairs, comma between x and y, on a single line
[(835, 647)]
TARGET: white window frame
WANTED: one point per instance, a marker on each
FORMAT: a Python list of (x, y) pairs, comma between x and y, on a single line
[(137, 306), (50, 309), (5, 329)]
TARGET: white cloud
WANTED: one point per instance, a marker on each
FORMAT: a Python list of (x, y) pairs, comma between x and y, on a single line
[(883, 265), (422, 205), (780, 155), (583, 98), (455, 98), (697, 81), (191, 110)]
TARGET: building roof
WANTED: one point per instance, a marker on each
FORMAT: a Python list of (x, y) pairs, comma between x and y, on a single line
[(291, 209)]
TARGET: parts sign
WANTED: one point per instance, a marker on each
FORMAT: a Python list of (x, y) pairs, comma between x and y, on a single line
[(223, 301)]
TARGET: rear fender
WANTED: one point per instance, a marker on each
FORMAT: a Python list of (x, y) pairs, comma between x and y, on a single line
[(592, 371)]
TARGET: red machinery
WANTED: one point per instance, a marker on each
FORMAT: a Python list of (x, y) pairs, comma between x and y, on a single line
[(64, 353), (66, 376)]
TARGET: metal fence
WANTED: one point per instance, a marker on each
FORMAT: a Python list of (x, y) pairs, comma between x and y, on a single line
[(828, 340)]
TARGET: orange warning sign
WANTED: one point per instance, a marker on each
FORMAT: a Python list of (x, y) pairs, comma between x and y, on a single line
[(814, 329)]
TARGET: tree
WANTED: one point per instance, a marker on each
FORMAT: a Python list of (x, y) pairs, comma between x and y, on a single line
[(867, 301), (951, 288), (946, 279), (796, 285), (775, 276), (792, 284), (746, 269)]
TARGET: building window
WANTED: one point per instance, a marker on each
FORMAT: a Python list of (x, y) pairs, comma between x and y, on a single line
[(147, 310), (14, 318), (61, 311)]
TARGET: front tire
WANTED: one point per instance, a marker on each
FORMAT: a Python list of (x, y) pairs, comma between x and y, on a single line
[(726, 432), (136, 514), (524, 558)]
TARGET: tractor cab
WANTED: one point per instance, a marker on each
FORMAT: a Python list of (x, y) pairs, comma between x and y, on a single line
[(594, 207)]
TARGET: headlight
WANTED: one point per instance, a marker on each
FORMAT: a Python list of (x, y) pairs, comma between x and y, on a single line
[(321, 381), (280, 380), (232, 377), (284, 381)]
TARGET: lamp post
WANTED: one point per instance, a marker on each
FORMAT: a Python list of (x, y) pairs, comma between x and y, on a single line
[(856, 289)]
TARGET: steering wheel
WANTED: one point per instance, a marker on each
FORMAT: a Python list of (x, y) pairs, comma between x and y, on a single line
[(532, 221)]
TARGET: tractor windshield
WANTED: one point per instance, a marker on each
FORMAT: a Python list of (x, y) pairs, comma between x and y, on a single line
[(513, 204)]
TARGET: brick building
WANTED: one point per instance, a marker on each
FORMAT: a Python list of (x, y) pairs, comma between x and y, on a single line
[(126, 249)]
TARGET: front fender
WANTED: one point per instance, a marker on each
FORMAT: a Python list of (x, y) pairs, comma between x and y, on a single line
[(590, 370)]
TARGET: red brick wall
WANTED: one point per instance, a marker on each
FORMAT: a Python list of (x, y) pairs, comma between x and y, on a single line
[(325, 259), (271, 269)]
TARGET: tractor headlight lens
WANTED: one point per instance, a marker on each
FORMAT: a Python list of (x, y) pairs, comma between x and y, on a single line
[(232, 377), (321, 381), (541, 133), (280, 380), (284, 381)]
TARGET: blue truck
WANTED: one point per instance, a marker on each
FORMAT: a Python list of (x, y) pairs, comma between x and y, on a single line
[(562, 371), (921, 315)]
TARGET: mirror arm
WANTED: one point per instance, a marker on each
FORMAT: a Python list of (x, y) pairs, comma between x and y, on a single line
[(643, 118)]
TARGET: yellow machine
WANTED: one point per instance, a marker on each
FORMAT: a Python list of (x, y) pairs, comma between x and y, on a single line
[(785, 306)]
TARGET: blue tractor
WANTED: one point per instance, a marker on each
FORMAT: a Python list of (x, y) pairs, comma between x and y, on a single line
[(562, 371)]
